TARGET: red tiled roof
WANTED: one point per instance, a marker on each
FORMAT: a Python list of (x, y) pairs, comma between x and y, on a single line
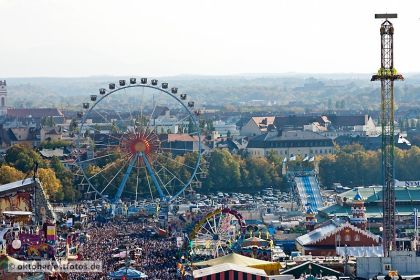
[(182, 138)]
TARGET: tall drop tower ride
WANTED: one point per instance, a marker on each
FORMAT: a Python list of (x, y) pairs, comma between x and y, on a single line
[(387, 75)]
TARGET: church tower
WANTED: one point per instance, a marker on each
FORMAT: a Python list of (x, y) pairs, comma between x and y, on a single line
[(358, 211), (3, 98), (310, 219)]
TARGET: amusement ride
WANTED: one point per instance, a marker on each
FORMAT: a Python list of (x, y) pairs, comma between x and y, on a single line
[(137, 139), (219, 233)]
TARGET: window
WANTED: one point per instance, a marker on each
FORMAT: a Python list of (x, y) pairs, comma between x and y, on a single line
[(357, 237), (347, 237)]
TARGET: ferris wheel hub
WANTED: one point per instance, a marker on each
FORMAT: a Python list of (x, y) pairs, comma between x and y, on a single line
[(140, 146)]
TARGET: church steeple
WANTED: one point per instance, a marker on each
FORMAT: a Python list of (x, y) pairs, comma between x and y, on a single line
[(3, 98), (310, 219), (358, 211)]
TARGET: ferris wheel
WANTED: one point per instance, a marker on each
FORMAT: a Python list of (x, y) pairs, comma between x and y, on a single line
[(219, 233), (138, 139)]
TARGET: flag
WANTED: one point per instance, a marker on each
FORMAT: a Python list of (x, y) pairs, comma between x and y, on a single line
[(51, 233), (312, 159), (292, 158), (306, 158)]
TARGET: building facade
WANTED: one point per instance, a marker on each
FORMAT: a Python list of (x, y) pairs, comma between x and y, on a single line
[(327, 239), (3, 98), (290, 143), (256, 126)]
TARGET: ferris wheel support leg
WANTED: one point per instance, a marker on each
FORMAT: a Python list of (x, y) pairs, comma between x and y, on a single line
[(152, 174), (125, 178)]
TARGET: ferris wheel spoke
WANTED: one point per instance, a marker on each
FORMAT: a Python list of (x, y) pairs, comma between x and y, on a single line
[(215, 226), (218, 224), (97, 130), (221, 247), (207, 236), (177, 149), (210, 226), (107, 145), (151, 115), (99, 114), (162, 184), (170, 158), (115, 176), (128, 107), (203, 227), (152, 174), (95, 158), (137, 182), (150, 187), (107, 167), (119, 116), (125, 178), (173, 175), (152, 133)]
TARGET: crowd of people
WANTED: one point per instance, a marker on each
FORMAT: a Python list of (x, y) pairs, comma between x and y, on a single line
[(157, 257)]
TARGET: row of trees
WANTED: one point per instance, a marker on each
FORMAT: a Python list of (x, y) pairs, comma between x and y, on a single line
[(55, 178), (350, 166), (226, 172), (354, 166)]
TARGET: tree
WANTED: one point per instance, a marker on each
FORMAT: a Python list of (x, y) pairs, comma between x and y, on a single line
[(10, 174), (66, 178), (223, 173), (23, 158), (50, 183)]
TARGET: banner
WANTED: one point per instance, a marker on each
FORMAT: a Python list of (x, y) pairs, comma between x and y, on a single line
[(51, 233)]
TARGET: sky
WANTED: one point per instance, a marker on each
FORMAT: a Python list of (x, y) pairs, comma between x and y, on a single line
[(68, 38)]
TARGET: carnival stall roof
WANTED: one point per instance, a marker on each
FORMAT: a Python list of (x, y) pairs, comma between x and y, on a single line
[(14, 186), (269, 267), (17, 213), (311, 268), (357, 251), (255, 241), (230, 269), (128, 273)]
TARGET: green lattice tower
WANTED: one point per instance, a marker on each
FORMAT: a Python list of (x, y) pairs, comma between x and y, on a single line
[(387, 75)]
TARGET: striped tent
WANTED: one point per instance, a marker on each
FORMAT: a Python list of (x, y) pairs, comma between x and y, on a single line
[(230, 271)]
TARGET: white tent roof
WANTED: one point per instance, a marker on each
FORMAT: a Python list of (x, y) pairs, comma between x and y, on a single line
[(368, 251), (226, 267)]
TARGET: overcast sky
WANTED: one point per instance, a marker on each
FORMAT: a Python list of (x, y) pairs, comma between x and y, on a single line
[(156, 37)]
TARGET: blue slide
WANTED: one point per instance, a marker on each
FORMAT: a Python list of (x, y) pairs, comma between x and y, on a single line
[(309, 191)]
